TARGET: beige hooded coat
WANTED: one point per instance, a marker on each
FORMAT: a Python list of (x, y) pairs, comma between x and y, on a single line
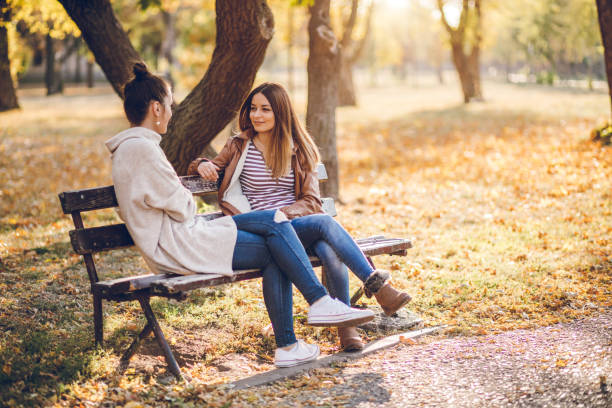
[(160, 213)]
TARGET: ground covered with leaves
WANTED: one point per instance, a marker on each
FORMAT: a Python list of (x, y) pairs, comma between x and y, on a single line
[(508, 202)]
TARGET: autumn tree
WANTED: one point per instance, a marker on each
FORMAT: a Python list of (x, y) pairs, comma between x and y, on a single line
[(323, 63), (352, 49), (8, 96), (243, 31), (467, 34)]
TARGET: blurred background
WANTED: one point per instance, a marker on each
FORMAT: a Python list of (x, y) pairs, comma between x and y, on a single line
[(399, 42)]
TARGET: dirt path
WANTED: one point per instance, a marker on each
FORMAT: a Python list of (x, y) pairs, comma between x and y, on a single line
[(565, 365)]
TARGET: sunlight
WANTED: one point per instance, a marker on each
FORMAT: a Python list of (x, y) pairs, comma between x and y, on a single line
[(452, 9)]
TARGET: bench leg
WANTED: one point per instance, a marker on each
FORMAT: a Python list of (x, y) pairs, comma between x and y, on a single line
[(360, 292), (159, 336), (136, 343), (98, 319)]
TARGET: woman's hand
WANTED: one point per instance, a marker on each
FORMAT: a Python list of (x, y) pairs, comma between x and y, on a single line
[(208, 171)]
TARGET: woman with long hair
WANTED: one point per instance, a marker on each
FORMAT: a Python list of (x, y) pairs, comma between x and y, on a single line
[(271, 164), (160, 215)]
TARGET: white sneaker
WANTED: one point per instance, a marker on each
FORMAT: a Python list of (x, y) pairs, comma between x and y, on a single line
[(300, 353), (332, 312)]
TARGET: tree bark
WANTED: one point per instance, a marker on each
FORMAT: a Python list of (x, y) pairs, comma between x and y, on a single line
[(290, 43), (8, 96), (244, 29), (466, 65), (604, 12), (169, 42), (323, 66), (351, 51), (105, 38), (90, 74), (54, 79)]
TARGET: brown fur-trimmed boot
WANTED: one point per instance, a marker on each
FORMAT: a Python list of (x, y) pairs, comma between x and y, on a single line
[(389, 298), (349, 339)]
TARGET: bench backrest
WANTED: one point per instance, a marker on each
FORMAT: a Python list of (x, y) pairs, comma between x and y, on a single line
[(87, 241)]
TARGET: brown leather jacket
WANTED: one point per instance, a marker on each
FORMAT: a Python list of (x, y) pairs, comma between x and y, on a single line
[(307, 194)]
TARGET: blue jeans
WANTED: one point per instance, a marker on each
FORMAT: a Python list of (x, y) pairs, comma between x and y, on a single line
[(275, 247), (324, 236)]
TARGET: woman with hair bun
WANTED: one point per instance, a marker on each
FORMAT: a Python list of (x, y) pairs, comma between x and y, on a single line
[(160, 215), (271, 165)]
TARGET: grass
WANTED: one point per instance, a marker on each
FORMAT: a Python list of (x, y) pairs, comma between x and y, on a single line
[(508, 203)]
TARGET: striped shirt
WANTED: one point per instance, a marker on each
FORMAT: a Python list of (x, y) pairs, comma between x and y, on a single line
[(263, 191)]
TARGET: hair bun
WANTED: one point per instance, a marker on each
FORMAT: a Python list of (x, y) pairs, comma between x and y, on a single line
[(140, 70)]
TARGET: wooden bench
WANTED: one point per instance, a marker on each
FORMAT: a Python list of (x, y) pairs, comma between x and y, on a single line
[(88, 241)]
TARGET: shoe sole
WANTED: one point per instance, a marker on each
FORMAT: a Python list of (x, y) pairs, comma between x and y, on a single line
[(298, 362), (345, 323)]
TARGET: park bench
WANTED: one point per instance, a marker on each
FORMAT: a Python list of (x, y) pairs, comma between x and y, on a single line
[(88, 241)]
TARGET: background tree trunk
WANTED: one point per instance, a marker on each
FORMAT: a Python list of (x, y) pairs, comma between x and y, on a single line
[(90, 74), (244, 29), (54, 80), (323, 66), (346, 85), (351, 51), (169, 42), (290, 41), (8, 96), (604, 11), (467, 65)]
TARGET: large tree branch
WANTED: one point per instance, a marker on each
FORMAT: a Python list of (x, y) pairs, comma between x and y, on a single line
[(105, 38), (244, 29), (358, 49), (349, 26)]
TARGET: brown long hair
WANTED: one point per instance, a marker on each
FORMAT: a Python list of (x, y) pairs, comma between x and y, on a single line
[(287, 132)]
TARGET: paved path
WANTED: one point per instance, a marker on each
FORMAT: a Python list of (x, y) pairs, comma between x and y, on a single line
[(566, 365)]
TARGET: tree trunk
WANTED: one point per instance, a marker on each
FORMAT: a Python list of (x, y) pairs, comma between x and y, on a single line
[(467, 66), (604, 11), (244, 29), (351, 51), (105, 38), (168, 44), (460, 61), (346, 86), (54, 80), (90, 74), (78, 67), (323, 66), (290, 41), (474, 68), (8, 96)]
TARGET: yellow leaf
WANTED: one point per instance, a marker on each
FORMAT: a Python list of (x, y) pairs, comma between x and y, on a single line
[(561, 363), (6, 369), (407, 340)]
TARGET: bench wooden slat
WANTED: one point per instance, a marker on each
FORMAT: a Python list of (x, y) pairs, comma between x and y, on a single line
[(172, 284), (96, 239), (191, 282), (90, 199)]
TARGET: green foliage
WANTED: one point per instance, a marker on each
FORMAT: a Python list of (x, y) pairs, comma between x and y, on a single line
[(549, 35), (43, 17)]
